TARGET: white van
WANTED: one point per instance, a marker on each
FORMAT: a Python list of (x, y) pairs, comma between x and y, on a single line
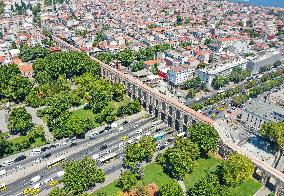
[(60, 174), (35, 179), (2, 172), (37, 151)]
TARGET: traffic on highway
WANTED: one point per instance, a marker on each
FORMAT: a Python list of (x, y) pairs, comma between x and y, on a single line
[(105, 145)]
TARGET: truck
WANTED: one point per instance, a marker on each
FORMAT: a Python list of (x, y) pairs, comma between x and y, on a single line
[(159, 136), (2, 172), (35, 179)]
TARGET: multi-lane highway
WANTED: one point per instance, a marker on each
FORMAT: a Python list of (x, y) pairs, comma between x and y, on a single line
[(111, 138)]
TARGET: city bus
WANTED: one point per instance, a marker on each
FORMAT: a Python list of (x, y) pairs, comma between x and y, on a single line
[(107, 158), (56, 162), (3, 187)]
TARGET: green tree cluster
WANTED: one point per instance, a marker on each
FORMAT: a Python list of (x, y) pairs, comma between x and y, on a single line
[(137, 66), (131, 108), (69, 64), (13, 86), (20, 121), (127, 181), (29, 54), (171, 189), (237, 75), (81, 175), (137, 152), (219, 82), (205, 136), (180, 159), (274, 131)]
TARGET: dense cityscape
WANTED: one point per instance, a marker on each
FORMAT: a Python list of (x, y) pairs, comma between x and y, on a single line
[(141, 98)]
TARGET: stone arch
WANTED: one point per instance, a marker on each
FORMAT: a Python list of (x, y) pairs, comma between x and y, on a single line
[(177, 125), (170, 121)]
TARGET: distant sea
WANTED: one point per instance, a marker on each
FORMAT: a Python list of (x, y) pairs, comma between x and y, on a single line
[(269, 3)]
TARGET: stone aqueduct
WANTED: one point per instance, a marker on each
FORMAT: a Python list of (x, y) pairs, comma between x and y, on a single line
[(178, 116)]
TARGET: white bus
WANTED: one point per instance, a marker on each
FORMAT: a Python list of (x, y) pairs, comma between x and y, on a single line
[(56, 161), (107, 158)]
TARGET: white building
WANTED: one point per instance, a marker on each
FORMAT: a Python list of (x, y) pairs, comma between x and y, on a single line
[(178, 75), (208, 74)]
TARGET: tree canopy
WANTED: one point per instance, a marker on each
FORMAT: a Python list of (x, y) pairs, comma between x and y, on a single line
[(127, 180), (235, 170), (274, 131), (81, 175), (205, 136), (171, 189), (69, 64), (179, 160), (30, 54), (20, 121), (219, 82), (208, 186)]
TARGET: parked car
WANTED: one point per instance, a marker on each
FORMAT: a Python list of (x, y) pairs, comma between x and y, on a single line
[(124, 122), (46, 155), (103, 147)]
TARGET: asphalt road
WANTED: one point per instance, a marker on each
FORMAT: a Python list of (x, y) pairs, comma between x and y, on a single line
[(53, 151), (19, 185)]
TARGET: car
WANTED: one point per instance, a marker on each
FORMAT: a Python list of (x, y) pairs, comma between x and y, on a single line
[(107, 128), (162, 147), (139, 131), (38, 185), (121, 145), (52, 146), (157, 130), (123, 138), (73, 144), (101, 131), (130, 141), (20, 158), (46, 155), (170, 139), (124, 122), (170, 132), (120, 129), (138, 137), (103, 147), (18, 167), (45, 148), (48, 180), (167, 143), (37, 160), (135, 126), (147, 134)]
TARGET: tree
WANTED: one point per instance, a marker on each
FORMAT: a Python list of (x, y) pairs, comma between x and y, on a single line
[(131, 108), (67, 64), (195, 83), (155, 69), (4, 145), (191, 93), (179, 160), (275, 133), (2, 7), (237, 75), (219, 82), (57, 192), (20, 121), (235, 170), (208, 186), (118, 91), (187, 21), (126, 57), (196, 106), (137, 66), (202, 65), (81, 175), (179, 20), (36, 132), (171, 189), (137, 152), (18, 88), (127, 180), (30, 54), (99, 38), (238, 100), (205, 136)]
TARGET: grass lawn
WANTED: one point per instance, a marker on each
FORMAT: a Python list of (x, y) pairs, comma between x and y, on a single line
[(200, 170), (88, 114), (152, 173), (18, 140), (247, 188), (4, 134)]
